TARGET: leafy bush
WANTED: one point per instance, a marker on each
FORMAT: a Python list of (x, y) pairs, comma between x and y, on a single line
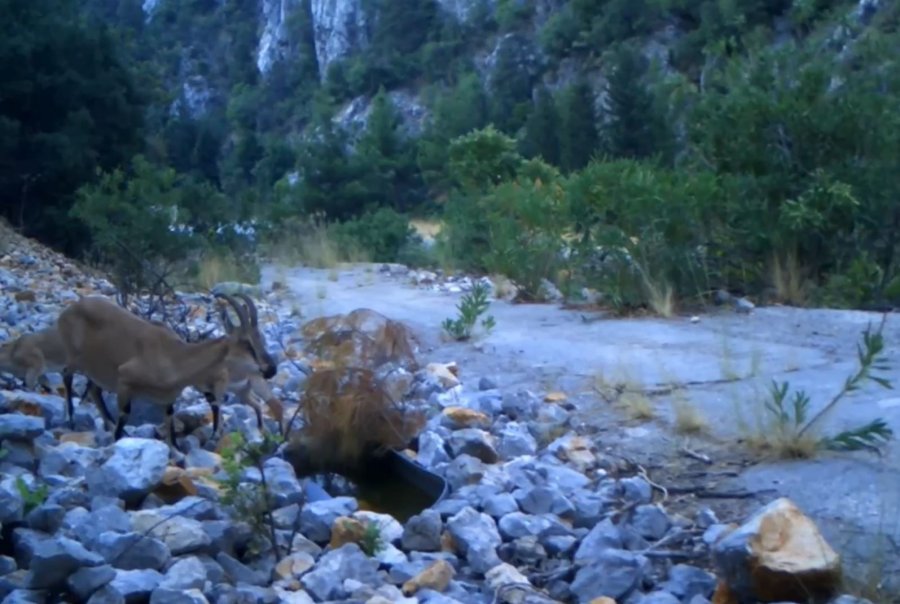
[(793, 432), (482, 158), (515, 228), (381, 234), (814, 154), (640, 228), (472, 306)]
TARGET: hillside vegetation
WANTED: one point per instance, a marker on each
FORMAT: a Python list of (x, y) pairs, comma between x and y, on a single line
[(653, 150)]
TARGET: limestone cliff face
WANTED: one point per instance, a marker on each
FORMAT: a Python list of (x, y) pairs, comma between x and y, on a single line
[(275, 36), (340, 28)]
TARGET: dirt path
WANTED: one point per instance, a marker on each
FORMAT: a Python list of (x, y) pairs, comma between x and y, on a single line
[(721, 366)]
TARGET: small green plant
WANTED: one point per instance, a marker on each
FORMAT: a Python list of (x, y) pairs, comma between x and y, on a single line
[(471, 307), (249, 501), (372, 541), (793, 428), (32, 498)]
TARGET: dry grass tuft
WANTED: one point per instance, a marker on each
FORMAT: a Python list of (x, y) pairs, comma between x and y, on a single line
[(504, 289), (637, 405), (768, 445), (312, 242), (661, 298), (688, 419), (789, 280), (217, 267)]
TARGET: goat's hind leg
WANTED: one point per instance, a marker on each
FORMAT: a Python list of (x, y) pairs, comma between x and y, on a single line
[(93, 390), (170, 425)]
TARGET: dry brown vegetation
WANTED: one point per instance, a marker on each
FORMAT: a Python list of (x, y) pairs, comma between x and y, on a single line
[(362, 338), (348, 414), (348, 411)]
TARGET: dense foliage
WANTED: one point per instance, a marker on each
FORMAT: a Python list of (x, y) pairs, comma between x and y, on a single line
[(653, 150)]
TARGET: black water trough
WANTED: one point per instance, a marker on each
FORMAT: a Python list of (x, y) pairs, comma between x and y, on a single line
[(391, 483)]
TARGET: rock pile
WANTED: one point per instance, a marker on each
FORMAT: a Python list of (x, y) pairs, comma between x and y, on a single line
[(537, 513)]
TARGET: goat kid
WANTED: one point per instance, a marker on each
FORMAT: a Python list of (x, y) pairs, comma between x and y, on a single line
[(122, 353)]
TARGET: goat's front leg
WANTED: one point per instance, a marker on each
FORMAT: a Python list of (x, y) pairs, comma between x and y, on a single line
[(68, 375), (260, 387), (215, 397), (244, 395), (123, 398), (32, 375), (211, 399)]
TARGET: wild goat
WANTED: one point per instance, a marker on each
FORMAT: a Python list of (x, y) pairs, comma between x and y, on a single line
[(32, 355), (122, 353)]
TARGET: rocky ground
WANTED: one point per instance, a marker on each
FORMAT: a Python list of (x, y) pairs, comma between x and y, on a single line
[(539, 510)]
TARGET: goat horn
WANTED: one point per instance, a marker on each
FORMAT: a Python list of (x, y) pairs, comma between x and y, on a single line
[(241, 312), (251, 307), (226, 318)]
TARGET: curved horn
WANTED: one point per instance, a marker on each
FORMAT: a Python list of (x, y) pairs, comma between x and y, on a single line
[(251, 308), (241, 312), (226, 319)]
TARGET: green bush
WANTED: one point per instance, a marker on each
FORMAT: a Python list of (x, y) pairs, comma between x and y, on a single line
[(640, 227), (381, 234), (813, 145), (515, 228)]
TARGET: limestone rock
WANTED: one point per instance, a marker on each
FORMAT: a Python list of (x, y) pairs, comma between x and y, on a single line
[(346, 530), (777, 555), (456, 418), (436, 577)]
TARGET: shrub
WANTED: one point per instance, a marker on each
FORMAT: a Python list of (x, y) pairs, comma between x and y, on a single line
[(640, 229), (514, 229), (812, 142), (381, 234)]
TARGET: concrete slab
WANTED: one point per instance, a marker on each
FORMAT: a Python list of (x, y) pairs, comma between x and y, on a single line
[(722, 364)]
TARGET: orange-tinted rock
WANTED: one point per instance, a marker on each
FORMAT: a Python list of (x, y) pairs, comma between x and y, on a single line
[(777, 555), (463, 417), (175, 485), (85, 439), (436, 577), (723, 595), (577, 451), (444, 374), (346, 530), (292, 566), (447, 543)]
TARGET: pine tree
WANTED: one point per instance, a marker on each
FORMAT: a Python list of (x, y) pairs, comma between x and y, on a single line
[(386, 157), (457, 112), (542, 129), (578, 128), (511, 89), (631, 127)]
